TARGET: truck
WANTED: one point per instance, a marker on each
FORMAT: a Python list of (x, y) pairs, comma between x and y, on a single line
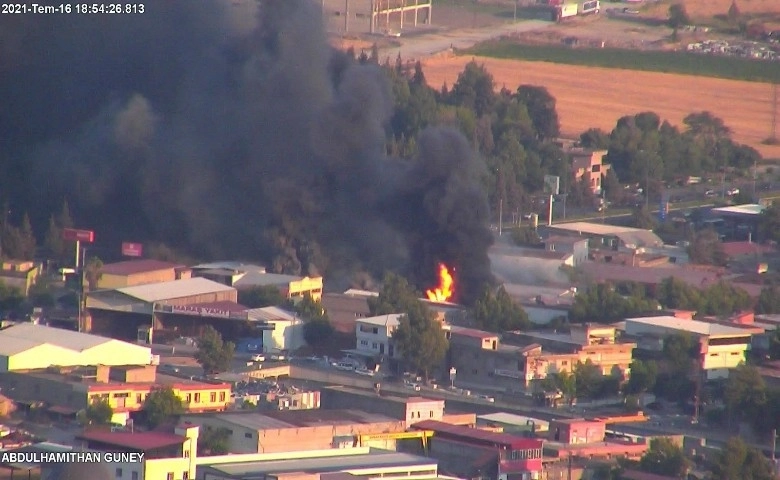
[(565, 10), (589, 6)]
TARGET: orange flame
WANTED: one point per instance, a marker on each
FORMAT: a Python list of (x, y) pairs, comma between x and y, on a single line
[(443, 292)]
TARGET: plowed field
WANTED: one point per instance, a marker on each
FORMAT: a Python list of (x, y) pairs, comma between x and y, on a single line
[(597, 97)]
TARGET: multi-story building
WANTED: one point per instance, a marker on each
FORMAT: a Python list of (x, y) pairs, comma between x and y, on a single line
[(474, 453), (577, 247), (166, 456), (721, 347), (277, 431), (589, 164), (478, 356), (19, 274), (242, 276), (409, 409), (374, 335), (68, 390)]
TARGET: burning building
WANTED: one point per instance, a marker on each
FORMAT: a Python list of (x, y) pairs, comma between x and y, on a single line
[(240, 133)]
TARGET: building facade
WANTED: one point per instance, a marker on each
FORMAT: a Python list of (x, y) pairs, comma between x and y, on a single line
[(722, 347), (139, 272), (577, 247), (589, 165), (19, 274), (374, 335)]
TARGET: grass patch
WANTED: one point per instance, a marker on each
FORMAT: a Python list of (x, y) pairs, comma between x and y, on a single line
[(651, 61)]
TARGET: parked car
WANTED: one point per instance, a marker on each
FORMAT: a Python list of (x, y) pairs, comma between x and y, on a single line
[(732, 191), (258, 358), (710, 193)]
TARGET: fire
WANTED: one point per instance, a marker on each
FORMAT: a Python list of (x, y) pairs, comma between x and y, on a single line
[(443, 292)]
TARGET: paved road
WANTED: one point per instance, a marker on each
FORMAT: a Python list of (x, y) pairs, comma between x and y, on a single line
[(426, 45)]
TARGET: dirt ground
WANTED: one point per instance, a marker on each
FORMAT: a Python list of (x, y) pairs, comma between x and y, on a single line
[(598, 97), (706, 9)]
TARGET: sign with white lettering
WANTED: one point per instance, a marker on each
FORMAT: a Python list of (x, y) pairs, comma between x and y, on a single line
[(202, 311)]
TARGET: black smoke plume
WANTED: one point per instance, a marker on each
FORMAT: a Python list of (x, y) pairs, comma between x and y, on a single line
[(231, 129)]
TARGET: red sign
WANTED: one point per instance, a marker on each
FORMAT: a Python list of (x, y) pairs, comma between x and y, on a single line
[(74, 235), (130, 249)]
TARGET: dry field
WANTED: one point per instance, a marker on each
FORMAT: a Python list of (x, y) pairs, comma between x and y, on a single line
[(597, 97), (705, 9)]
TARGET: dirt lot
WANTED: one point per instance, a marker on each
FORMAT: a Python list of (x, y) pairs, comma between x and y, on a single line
[(597, 97), (706, 9)]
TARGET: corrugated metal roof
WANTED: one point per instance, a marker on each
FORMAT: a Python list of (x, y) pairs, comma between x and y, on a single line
[(270, 314), (468, 433), (155, 292), (512, 419), (24, 336), (352, 462), (390, 320), (691, 326)]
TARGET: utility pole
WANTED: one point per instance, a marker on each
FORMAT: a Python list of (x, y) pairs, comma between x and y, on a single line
[(500, 215), (515, 15), (346, 16), (774, 447), (773, 137)]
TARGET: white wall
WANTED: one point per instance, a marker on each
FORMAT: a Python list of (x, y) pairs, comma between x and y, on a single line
[(370, 342), (286, 335)]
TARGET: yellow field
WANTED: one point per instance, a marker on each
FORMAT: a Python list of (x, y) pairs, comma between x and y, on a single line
[(702, 9), (597, 97)]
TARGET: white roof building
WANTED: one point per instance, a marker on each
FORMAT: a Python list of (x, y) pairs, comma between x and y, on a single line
[(669, 325), (189, 287), (27, 346)]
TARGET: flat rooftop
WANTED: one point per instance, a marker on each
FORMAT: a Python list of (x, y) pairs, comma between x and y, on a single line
[(595, 228), (512, 419), (271, 420), (690, 326), (746, 209), (372, 460), (383, 396)]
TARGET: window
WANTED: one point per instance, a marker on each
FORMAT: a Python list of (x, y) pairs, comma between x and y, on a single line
[(139, 398), (248, 435), (189, 398), (374, 345), (169, 476), (221, 396), (185, 475), (431, 414), (133, 475), (213, 397), (197, 398), (364, 343), (118, 473), (186, 454)]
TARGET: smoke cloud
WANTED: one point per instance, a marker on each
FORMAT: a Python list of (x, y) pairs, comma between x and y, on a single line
[(232, 130)]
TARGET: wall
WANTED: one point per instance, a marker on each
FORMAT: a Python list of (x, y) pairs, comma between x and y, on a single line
[(376, 343), (577, 432), (146, 373), (310, 285), (417, 411), (333, 398), (286, 335), (112, 282), (29, 388)]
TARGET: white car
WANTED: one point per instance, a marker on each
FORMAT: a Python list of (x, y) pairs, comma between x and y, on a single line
[(258, 358), (732, 192)]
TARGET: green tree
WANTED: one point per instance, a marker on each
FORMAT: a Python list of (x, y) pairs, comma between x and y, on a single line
[(595, 138), (396, 296), (161, 405), (675, 293), (734, 13), (665, 457), (601, 303), (541, 108), (213, 354), (678, 17), (526, 236), (474, 89), (27, 241), (643, 218), (563, 381), (214, 441), (769, 224), (261, 296), (498, 312), (680, 350), (588, 377), (745, 393), (53, 242), (739, 461), (98, 413), (10, 297), (707, 249), (643, 377), (318, 332), (93, 272), (420, 339)]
